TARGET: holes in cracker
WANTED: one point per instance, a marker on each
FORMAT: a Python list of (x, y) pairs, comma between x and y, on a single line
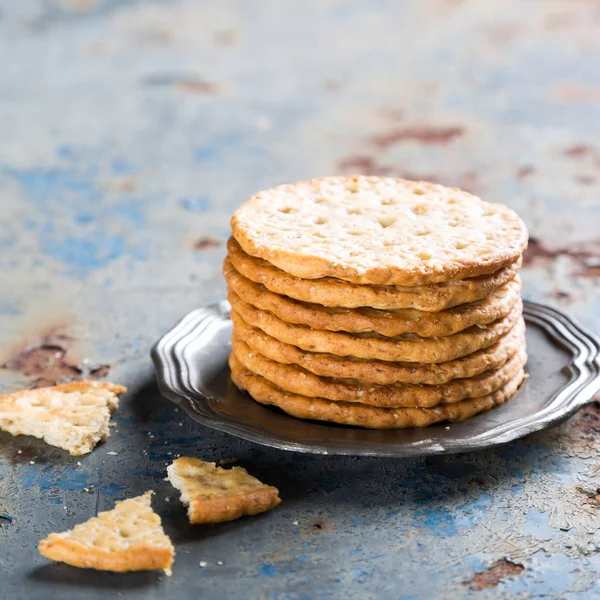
[(461, 244), (453, 223), (423, 231), (321, 200), (352, 186), (387, 221), (286, 210), (419, 191), (354, 210), (424, 255), (387, 201), (320, 221), (420, 209), (354, 232)]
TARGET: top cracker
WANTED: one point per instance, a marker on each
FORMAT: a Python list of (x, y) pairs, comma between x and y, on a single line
[(378, 230)]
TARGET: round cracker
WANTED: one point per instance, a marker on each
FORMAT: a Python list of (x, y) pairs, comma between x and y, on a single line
[(337, 293), (378, 230), (404, 348), (361, 415), (380, 372), (385, 322), (292, 378)]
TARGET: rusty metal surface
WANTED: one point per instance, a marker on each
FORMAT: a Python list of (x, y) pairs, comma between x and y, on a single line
[(129, 131)]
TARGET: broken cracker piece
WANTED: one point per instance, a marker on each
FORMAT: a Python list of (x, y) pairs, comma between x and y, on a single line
[(72, 416), (129, 537), (216, 495)]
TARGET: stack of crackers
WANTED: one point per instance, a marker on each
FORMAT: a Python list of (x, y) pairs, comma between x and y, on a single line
[(376, 302)]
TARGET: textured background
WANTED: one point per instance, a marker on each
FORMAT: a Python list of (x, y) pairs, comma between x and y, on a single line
[(129, 132)]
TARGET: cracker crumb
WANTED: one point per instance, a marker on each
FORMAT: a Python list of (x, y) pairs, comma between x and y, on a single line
[(216, 495), (72, 416), (129, 537), (203, 563)]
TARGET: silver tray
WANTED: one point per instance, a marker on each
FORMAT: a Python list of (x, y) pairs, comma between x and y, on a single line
[(192, 371)]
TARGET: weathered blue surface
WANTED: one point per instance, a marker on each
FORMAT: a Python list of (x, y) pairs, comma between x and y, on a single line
[(129, 132)]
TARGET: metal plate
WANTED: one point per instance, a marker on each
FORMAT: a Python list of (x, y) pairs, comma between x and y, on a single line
[(563, 367)]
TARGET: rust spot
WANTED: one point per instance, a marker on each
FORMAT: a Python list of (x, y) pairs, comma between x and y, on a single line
[(587, 260), (121, 184), (331, 84), (558, 21), (393, 114), (364, 165), (592, 496), (205, 243), (422, 134), (321, 524), (525, 171), (78, 5), (495, 574), (469, 182), (368, 165), (98, 49), (585, 179), (571, 92), (590, 272), (588, 418), (49, 361), (503, 32), (427, 178), (159, 36), (99, 372), (562, 296), (226, 37), (198, 86), (578, 151), (537, 252)]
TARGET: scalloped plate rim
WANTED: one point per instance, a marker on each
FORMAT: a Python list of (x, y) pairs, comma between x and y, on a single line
[(551, 320)]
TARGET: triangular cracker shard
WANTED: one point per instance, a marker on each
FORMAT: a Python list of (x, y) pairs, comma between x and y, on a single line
[(214, 495), (73, 416), (128, 538)]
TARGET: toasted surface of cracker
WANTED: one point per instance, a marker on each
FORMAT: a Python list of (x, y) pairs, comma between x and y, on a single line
[(378, 230), (129, 537), (382, 372), (291, 378), (72, 416), (362, 415), (404, 348), (333, 292), (385, 322), (215, 495)]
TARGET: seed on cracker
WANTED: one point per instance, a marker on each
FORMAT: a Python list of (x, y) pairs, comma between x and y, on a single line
[(72, 416), (129, 537), (215, 495)]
